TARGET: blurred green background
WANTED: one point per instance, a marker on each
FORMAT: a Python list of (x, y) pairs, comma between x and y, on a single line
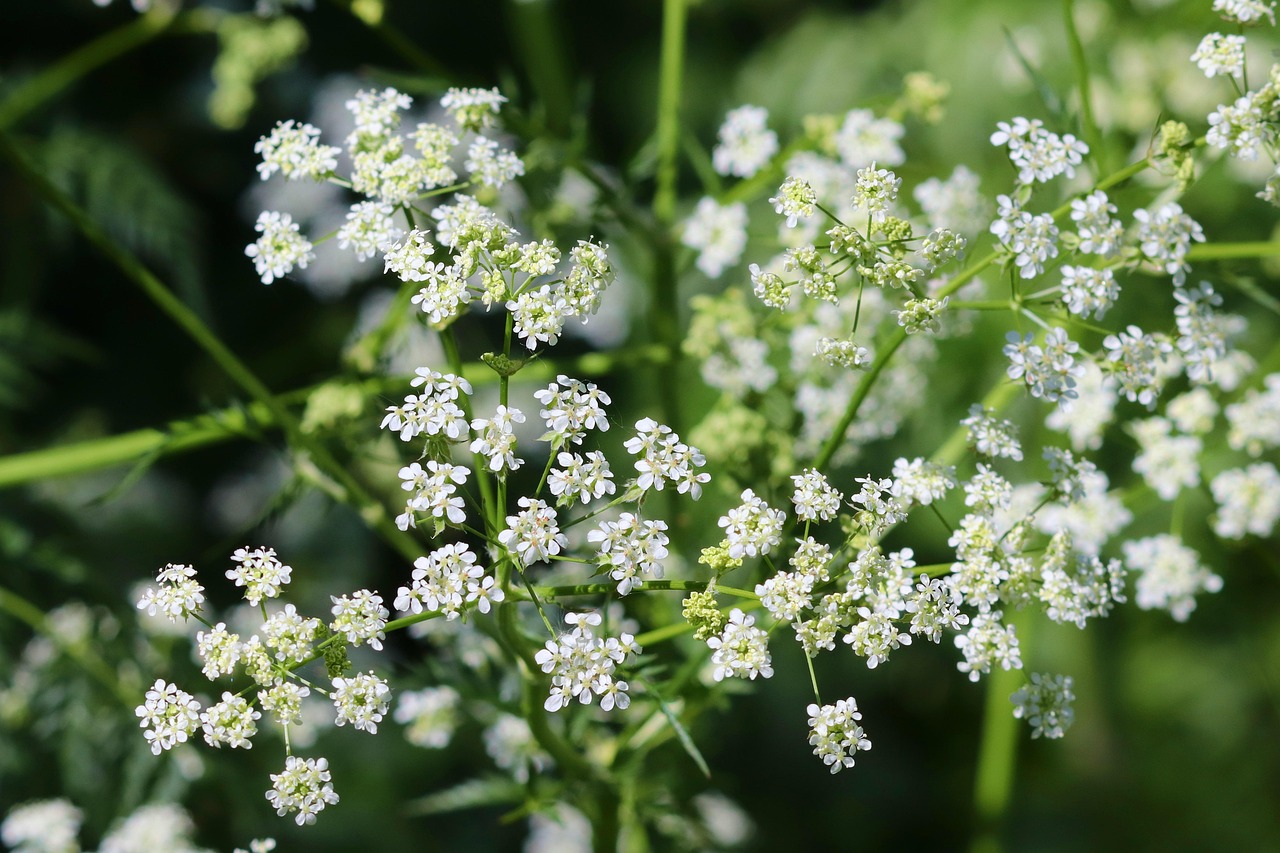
[(1177, 740)]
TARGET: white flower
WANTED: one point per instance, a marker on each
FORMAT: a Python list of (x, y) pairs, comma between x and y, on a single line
[(490, 164), (956, 203), (1171, 575), (1248, 501), (290, 635), (169, 715), (1253, 424), (280, 248), (835, 735), (284, 699), (232, 721), (920, 481), (159, 826), (497, 439), (582, 665), (533, 534), (361, 700), (304, 787), (369, 229), (1219, 55), (510, 743), (991, 436), (375, 113), (1098, 231), (1169, 463), (409, 258), (988, 642), (814, 498), (539, 316), (795, 200), (219, 649), (1045, 703), (360, 617), (741, 650), (1039, 154), (864, 139), (440, 581), (430, 715), (177, 596), (1086, 290), (1166, 236), (632, 549), (42, 826), (1245, 11), (718, 233), (745, 142), (260, 573), (752, 528), (295, 152), (473, 109)]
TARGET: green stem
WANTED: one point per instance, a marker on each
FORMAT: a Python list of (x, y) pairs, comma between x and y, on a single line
[(649, 586), (953, 448), (664, 314), (670, 83), (1088, 122), (537, 35), (1232, 251), (373, 513), (998, 750)]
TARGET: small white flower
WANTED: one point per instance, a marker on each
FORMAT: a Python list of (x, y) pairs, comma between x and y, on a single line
[(169, 715), (745, 142), (835, 734), (361, 700), (304, 787), (280, 248)]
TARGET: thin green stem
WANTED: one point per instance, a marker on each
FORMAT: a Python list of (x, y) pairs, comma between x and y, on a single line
[(1088, 122), (649, 586), (394, 39)]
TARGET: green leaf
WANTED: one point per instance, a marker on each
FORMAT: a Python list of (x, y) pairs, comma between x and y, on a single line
[(682, 734), (1250, 288), (1052, 103), (133, 203), (471, 794)]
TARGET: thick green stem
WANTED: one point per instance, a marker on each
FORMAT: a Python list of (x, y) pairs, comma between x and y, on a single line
[(670, 82), (373, 513), (664, 306), (537, 35), (998, 749), (1233, 251)]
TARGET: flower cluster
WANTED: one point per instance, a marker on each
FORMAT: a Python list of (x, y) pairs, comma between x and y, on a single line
[(582, 664)]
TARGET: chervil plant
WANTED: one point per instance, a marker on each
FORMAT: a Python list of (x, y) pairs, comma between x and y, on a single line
[(593, 559)]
